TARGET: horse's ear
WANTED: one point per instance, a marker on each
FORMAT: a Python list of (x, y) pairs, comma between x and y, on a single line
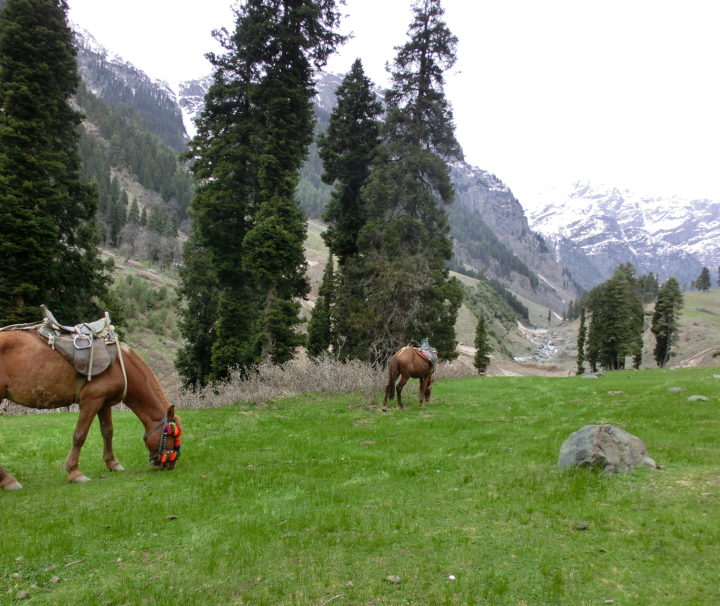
[(171, 412)]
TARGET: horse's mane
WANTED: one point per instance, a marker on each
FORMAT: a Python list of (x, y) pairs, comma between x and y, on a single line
[(151, 381)]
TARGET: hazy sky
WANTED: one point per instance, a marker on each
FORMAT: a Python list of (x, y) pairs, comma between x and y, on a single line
[(622, 92)]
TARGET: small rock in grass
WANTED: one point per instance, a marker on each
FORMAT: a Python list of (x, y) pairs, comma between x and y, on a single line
[(581, 526), (452, 577), (674, 389), (55, 580), (349, 584), (22, 595), (392, 579), (15, 575), (698, 399), (172, 517)]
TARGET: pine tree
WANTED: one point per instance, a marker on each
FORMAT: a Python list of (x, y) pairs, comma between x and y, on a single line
[(482, 346), (616, 321), (703, 280), (199, 292), (252, 138), (347, 149), (665, 320), (321, 330), (401, 274), (49, 243), (582, 333)]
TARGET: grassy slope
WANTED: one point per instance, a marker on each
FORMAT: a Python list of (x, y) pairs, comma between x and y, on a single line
[(317, 499)]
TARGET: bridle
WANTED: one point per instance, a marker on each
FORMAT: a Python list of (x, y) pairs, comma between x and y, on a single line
[(170, 429)]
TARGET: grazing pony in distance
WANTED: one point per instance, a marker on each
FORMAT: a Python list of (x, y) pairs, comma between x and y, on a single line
[(34, 374), (410, 362)]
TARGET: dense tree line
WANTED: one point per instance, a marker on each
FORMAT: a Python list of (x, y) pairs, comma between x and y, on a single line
[(149, 160), (616, 320)]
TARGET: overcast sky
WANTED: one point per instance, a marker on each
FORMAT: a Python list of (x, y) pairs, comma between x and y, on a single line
[(620, 92)]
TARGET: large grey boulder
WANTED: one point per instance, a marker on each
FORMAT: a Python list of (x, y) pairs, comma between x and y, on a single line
[(604, 446)]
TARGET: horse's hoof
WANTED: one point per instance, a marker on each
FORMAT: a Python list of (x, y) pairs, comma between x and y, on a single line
[(79, 478), (116, 467), (14, 485)]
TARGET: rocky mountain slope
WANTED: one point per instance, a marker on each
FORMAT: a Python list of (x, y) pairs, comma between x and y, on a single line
[(591, 229)]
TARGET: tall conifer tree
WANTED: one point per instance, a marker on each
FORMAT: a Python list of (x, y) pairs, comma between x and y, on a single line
[(481, 360), (48, 240), (348, 149), (703, 280), (665, 320), (405, 244), (582, 333), (252, 139)]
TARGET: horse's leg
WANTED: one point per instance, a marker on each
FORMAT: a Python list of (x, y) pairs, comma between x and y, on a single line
[(423, 389), (7, 482), (88, 410), (106, 429), (400, 385)]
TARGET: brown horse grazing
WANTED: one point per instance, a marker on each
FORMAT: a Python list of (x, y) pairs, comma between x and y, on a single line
[(33, 374), (408, 363)]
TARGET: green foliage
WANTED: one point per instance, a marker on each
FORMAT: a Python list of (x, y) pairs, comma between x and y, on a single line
[(49, 246), (322, 336), (303, 499), (152, 162), (665, 320), (649, 287), (198, 291), (703, 280), (400, 270), (144, 306), (347, 150), (492, 296), (581, 337), (616, 321), (482, 346), (252, 138)]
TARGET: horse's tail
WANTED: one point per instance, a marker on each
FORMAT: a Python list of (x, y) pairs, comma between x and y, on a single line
[(392, 377)]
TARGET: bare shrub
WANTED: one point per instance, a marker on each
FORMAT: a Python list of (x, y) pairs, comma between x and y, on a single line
[(364, 381), (296, 377)]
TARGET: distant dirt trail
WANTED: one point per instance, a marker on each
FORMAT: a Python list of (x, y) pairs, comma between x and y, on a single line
[(696, 360)]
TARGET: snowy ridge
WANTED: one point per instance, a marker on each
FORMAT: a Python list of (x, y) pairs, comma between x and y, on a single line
[(608, 226)]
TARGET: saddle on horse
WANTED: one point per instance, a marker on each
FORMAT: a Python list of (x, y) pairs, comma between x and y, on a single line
[(424, 350), (90, 347)]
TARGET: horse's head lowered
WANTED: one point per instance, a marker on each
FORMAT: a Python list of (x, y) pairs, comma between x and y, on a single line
[(163, 441)]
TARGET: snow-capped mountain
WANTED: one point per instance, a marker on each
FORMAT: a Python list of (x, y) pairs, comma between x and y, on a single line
[(592, 229)]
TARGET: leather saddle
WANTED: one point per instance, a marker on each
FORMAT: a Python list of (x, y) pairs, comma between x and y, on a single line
[(91, 347)]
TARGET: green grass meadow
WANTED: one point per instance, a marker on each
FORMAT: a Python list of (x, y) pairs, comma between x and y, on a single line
[(321, 500)]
